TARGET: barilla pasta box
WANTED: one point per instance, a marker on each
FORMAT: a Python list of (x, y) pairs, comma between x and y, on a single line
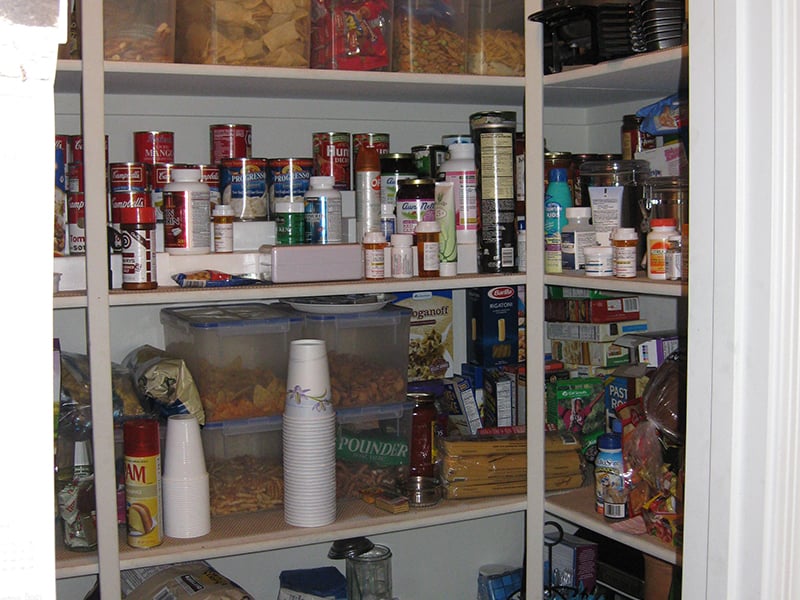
[(493, 326), (430, 348)]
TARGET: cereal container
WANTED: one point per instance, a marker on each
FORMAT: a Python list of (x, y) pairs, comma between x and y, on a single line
[(141, 31), (496, 38), (267, 33), (355, 35), (430, 36)]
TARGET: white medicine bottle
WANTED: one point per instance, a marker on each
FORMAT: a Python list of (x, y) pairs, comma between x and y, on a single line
[(187, 213), (576, 235)]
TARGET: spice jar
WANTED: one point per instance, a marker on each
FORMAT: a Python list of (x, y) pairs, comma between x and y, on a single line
[(138, 227), (428, 248), (422, 452)]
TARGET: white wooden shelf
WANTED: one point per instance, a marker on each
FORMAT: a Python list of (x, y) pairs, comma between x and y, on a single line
[(635, 285)]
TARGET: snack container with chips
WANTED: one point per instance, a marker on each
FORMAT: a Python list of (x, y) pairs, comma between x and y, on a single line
[(430, 36), (354, 35), (267, 33), (496, 37), (141, 31)]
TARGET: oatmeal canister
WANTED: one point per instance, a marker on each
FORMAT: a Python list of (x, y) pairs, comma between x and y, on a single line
[(243, 185), (230, 141), (331, 151)]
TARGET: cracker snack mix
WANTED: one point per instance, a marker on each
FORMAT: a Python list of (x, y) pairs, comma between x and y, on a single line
[(271, 33)]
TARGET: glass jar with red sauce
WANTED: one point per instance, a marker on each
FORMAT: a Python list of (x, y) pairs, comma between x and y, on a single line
[(422, 453)]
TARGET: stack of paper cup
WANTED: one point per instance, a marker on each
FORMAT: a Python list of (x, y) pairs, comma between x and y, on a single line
[(309, 438), (187, 507)]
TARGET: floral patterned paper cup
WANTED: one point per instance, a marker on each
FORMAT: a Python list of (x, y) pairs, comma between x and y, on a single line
[(308, 383)]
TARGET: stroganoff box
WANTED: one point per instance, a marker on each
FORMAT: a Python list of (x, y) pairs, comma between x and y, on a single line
[(430, 349)]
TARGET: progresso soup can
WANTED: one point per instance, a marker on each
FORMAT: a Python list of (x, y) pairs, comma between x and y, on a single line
[(243, 185), (289, 179)]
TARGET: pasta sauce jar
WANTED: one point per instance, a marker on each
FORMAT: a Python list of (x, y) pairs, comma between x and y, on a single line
[(422, 453)]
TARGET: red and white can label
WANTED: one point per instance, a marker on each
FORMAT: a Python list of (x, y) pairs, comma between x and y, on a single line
[(128, 176), (126, 199), (153, 147), (76, 223), (230, 141), (379, 141), (209, 174), (138, 256), (75, 177), (331, 153), (75, 153)]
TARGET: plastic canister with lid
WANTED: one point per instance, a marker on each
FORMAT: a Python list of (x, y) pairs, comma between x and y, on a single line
[(599, 261), (660, 231), (624, 241), (187, 214), (461, 170), (610, 492), (289, 223), (323, 211)]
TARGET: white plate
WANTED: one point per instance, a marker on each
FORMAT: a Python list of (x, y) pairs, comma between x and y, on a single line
[(340, 305)]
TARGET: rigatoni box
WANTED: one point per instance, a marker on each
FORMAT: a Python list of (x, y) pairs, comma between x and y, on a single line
[(493, 326)]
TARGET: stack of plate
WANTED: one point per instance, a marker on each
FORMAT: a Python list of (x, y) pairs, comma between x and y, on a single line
[(663, 23)]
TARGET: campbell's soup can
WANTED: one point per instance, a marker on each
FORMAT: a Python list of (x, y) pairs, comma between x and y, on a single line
[(230, 140), (129, 176), (153, 147), (209, 174), (76, 223), (61, 188), (160, 174), (288, 179), (75, 177), (332, 157), (243, 185), (75, 152), (126, 199), (379, 141)]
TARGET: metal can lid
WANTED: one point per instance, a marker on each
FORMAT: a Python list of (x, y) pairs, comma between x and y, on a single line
[(420, 397)]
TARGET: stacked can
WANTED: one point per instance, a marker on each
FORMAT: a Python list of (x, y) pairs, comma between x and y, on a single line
[(230, 140), (288, 180), (129, 182), (76, 200), (61, 185), (209, 174), (243, 185), (156, 149)]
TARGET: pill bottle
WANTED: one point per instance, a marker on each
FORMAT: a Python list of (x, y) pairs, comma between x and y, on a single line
[(187, 214), (599, 261), (660, 232), (222, 216), (323, 211), (289, 223), (673, 258), (623, 243), (577, 234), (138, 227), (402, 255), (428, 248), (374, 244)]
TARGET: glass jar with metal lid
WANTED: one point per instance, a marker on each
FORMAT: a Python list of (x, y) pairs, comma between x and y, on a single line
[(394, 167), (416, 201)]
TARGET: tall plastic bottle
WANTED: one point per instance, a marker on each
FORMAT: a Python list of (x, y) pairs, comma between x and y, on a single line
[(368, 191), (557, 199), (460, 169)]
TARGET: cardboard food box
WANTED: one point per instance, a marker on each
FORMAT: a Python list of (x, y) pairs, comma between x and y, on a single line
[(574, 561), (596, 354), (651, 348), (498, 399), (430, 346), (459, 399), (576, 406), (593, 332), (493, 326), (592, 310)]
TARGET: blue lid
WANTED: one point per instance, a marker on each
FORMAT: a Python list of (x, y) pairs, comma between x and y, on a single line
[(557, 175), (609, 441)]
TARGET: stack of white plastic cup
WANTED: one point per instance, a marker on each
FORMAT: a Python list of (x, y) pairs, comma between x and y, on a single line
[(187, 507), (309, 438)]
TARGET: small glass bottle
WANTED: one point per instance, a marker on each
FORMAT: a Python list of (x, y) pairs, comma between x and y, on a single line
[(138, 226), (428, 248), (222, 216), (624, 241), (374, 245), (402, 255), (660, 232)]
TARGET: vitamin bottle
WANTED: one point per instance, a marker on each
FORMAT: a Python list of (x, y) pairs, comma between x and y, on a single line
[(402, 255), (323, 211), (289, 223), (624, 241), (577, 234), (138, 227), (599, 261), (143, 499), (374, 245), (187, 213), (368, 191), (660, 232), (428, 248), (610, 496), (222, 216), (557, 199)]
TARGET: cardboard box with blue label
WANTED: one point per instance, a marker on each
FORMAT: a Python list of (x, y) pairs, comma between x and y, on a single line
[(493, 326)]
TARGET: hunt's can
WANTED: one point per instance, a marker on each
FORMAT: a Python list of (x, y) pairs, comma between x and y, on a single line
[(331, 153), (129, 176), (243, 185), (379, 141), (230, 140), (288, 180), (153, 147)]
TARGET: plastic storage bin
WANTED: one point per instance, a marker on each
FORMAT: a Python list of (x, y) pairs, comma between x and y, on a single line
[(496, 38), (430, 36), (141, 31), (237, 354), (367, 354), (353, 35), (272, 33)]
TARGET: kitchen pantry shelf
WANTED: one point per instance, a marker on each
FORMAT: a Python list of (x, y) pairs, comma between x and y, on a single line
[(169, 295), (635, 285)]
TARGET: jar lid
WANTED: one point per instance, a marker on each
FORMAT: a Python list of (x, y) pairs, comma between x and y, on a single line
[(664, 222), (557, 175), (416, 181), (428, 227), (609, 441), (598, 251), (289, 207), (222, 210), (420, 397), (402, 239), (578, 212), (624, 233), (461, 150), (350, 548), (185, 174), (374, 237)]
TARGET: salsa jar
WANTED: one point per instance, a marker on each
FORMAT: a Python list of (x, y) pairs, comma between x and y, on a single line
[(422, 451)]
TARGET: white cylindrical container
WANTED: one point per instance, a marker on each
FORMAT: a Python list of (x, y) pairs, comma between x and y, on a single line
[(223, 228), (599, 261), (577, 234), (624, 241), (187, 214), (461, 170), (657, 240), (323, 211), (403, 256)]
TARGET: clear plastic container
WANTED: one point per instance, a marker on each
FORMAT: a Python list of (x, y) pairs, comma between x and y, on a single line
[(355, 35), (141, 31), (430, 36), (496, 38), (241, 32)]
